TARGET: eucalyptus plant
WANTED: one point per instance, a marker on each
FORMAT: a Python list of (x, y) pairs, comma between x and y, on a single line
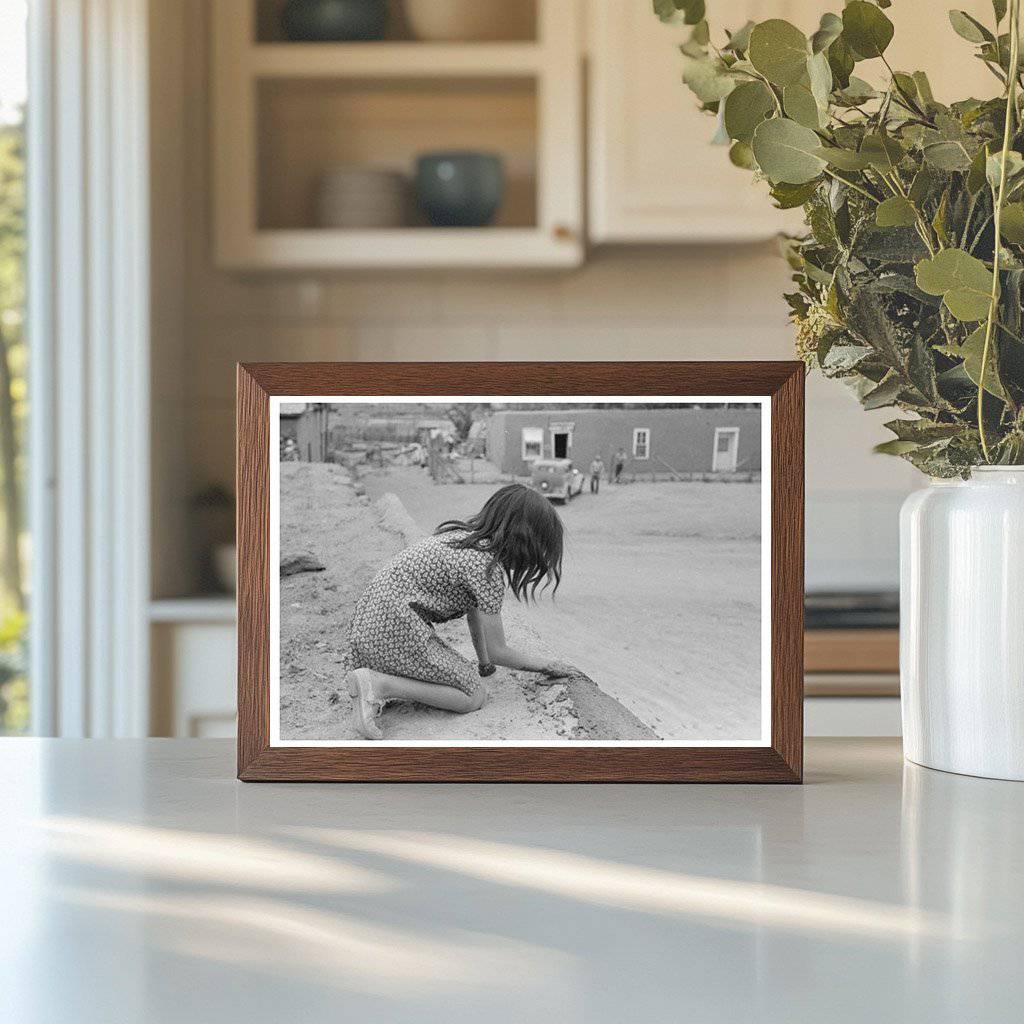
[(910, 277)]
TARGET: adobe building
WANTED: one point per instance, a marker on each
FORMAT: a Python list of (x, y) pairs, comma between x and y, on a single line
[(658, 442)]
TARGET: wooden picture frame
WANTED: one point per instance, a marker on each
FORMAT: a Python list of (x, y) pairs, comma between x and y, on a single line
[(778, 760)]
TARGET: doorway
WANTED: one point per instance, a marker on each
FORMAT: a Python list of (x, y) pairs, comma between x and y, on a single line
[(727, 444), (560, 444)]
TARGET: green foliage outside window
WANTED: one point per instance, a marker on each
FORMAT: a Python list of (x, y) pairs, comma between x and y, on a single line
[(13, 412)]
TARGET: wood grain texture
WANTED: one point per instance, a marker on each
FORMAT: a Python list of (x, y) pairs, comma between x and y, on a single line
[(781, 762), (253, 538), (787, 543)]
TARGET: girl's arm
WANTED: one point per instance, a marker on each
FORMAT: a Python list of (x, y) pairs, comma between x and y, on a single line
[(500, 653), (476, 631)]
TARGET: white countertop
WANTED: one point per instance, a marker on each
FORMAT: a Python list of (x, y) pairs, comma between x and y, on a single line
[(140, 882)]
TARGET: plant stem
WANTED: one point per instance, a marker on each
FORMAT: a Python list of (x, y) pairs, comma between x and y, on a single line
[(894, 183), (910, 102), (853, 185), (980, 232), (1011, 108)]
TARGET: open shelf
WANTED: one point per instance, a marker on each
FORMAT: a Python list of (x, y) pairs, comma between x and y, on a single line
[(520, 24), (308, 127), (390, 60), (406, 248), (287, 114)]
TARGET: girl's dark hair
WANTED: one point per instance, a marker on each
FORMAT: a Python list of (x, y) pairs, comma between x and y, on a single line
[(523, 533)]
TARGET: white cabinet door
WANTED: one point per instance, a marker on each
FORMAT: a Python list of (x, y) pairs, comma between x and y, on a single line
[(654, 177)]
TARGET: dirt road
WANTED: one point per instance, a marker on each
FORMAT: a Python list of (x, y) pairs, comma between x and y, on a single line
[(660, 598)]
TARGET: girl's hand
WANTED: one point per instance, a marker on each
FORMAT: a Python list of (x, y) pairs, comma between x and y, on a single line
[(559, 670)]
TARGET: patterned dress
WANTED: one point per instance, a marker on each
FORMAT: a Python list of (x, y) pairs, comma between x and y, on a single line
[(392, 630)]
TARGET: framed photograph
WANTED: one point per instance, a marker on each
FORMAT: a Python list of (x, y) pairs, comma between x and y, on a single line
[(560, 572)]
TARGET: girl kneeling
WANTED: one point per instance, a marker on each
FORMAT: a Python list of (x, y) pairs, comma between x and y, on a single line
[(464, 568)]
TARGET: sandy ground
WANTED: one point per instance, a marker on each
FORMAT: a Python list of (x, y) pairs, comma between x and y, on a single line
[(322, 516), (660, 597)]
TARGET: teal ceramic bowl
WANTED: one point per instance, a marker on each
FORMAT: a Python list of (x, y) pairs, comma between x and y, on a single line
[(334, 21), (460, 189)]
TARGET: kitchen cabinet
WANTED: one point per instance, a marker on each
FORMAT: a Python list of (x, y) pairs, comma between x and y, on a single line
[(288, 114), (654, 177)]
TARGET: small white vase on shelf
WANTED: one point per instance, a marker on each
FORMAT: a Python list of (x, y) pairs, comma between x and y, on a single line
[(962, 624)]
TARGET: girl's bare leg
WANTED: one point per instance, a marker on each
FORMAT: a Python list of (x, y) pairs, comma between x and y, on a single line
[(371, 689)]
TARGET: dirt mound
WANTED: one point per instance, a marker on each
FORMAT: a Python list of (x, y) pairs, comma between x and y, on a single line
[(322, 514)]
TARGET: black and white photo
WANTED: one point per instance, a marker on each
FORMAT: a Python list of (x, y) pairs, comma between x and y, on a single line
[(501, 570)]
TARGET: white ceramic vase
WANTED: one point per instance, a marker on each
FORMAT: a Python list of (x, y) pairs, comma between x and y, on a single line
[(962, 624)]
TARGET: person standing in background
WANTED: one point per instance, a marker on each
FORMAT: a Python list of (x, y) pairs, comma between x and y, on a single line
[(596, 469), (620, 462)]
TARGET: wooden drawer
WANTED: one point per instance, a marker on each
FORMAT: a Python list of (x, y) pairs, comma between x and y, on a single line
[(852, 650)]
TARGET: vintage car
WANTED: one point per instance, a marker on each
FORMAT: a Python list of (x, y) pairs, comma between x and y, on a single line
[(557, 479)]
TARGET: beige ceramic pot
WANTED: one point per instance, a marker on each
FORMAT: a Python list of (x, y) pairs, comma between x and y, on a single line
[(471, 20)]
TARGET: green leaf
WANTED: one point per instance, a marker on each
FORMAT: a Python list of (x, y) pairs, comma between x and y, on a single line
[(689, 12), (844, 159), (971, 352), (841, 63), (969, 28), (993, 167), (895, 447), (739, 41), (947, 156), (666, 10), (922, 185), (939, 220), (999, 9), (745, 108), (885, 394), (923, 431), (921, 371), (707, 78), (868, 320), (895, 212), (1012, 223), (905, 84), (890, 245), (858, 91), (801, 106), (788, 196), (883, 152), (701, 34), (819, 74), (779, 51), (741, 155), (866, 29), (693, 10), (787, 151), (829, 30), (721, 136), (924, 88), (976, 173), (841, 359), (963, 281)]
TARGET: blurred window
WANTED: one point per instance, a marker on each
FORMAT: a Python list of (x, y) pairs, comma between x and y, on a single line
[(14, 548)]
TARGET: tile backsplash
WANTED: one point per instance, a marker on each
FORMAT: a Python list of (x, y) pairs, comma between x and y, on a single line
[(719, 302)]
